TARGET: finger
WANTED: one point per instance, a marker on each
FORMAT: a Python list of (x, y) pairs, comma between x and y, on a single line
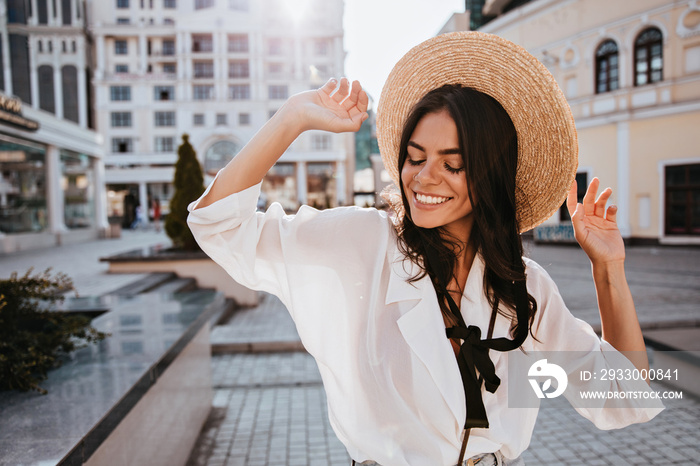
[(612, 213), (342, 91), (351, 101), (362, 101), (330, 86), (572, 198), (577, 221), (589, 198), (601, 201)]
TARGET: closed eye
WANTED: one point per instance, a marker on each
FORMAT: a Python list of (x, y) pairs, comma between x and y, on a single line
[(453, 170), (414, 162)]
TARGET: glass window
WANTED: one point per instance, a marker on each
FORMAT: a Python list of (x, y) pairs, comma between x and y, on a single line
[(204, 69), (123, 21), (23, 181), (120, 93), (200, 92), (168, 21), (321, 142), (164, 144), (280, 185), (122, 145), (219, 155), (238, 69), (682, 189), (321, 189), (244, 119), (121, 68), (121, 119), (169, 3), (202, 43), (238, 43), (221, 119), (648, 57), (120, 47), (169, 68), (607, 70), (46, 89), (277, 91), (239, 92), (164, 118), (164, 93), (275, 70), (78, 190), (122, 3), (199, 4), (198, 119), (168, 47)]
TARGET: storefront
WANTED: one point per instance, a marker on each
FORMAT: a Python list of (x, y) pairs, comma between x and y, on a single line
[(51, 180)]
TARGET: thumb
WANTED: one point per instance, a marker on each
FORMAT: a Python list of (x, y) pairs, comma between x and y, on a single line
[(577, 218)]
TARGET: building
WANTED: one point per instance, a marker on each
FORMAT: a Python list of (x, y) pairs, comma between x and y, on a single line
[(631, 73), (216, 70), (51, 168)]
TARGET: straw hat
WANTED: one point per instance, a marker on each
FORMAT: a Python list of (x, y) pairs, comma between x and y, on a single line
[(547, 143)]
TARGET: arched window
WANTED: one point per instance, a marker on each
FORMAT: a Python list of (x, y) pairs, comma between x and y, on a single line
[(69, 75), (648, 57), (46, 91), (607, 76), (219, 155)]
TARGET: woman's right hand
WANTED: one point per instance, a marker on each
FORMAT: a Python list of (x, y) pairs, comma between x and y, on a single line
[(328, 109)]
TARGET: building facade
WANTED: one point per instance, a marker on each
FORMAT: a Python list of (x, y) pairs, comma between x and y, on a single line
[(631, 73), (216, 70), (51, 167)]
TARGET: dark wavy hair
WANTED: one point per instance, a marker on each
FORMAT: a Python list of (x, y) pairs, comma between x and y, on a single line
[(489, 147)]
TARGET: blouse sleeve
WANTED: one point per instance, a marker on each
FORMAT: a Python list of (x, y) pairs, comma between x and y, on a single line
[(304, 259), (572, 344)]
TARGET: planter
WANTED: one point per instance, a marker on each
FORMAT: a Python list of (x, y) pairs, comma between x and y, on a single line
[(186, 264)]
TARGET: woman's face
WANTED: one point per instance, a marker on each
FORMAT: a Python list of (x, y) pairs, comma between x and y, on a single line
[(433, 177)]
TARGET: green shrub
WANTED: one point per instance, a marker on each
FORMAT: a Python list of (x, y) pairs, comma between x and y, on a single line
[(32, 337), (189, 185)]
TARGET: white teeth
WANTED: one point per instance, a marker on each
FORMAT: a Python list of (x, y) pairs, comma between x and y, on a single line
[(423, 199)]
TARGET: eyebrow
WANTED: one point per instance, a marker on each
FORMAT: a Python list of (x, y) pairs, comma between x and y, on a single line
[(454, 150)]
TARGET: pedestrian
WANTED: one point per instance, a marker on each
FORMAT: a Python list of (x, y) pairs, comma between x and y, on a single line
[(156, 214), (412, 319), (138, 218)]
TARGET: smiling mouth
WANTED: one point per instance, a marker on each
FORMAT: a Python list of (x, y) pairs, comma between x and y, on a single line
[(431, 200)]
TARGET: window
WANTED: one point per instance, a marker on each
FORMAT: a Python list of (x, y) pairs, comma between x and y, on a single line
[(199, 4), (244, 119), (50, 44), (122, 93), (607, 73), (165, 118), (202, 43), (274, 46), (277, 91), (238, 69), (239, 92), (164, 93), (120, 47), (168, 47), (648, 57), (321, 47), (275, 69), (168, 21), (321, 184), (221, 119), (169, 68), (238, 43), (123, 21), (69, 88), (204, 69), (41, 46), (682, 213), (122, 145), (198, 119), (581, 186), (321, 142), (122, 3), (238, 5), (64, 48), (164, 144), (121, 119), (73, 47), (46, 89), (121, 68), (169, 3), (200, 92)]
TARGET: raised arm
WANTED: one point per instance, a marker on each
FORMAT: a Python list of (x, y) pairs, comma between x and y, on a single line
[(328, 109), (596, 231)]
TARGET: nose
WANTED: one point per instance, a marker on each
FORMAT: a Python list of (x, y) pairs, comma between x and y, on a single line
[(428, 173)]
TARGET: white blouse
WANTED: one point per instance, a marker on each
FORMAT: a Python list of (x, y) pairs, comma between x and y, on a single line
[(393, 386)]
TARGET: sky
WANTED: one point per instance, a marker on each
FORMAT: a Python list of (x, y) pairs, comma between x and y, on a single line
[(379, 32)]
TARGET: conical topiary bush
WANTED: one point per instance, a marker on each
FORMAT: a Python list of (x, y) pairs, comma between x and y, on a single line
[(189, 185)]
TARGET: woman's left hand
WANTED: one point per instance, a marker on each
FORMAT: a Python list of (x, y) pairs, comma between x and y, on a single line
[(595, 229)]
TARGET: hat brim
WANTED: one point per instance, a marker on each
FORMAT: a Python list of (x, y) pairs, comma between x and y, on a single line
[(547, 141)]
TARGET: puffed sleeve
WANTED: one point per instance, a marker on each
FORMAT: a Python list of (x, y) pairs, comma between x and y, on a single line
[(307, 259), (572, 344)]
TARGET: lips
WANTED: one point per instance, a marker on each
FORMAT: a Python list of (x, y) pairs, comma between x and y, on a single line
[(431, 200)]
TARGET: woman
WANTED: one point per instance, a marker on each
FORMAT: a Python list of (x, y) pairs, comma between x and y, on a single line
[(374, 299)]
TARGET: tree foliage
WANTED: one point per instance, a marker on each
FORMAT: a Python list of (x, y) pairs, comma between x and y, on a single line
[(189, 185), (33, 337)]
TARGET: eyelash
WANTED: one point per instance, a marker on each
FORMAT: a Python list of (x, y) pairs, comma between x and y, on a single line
[(447, 167)]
